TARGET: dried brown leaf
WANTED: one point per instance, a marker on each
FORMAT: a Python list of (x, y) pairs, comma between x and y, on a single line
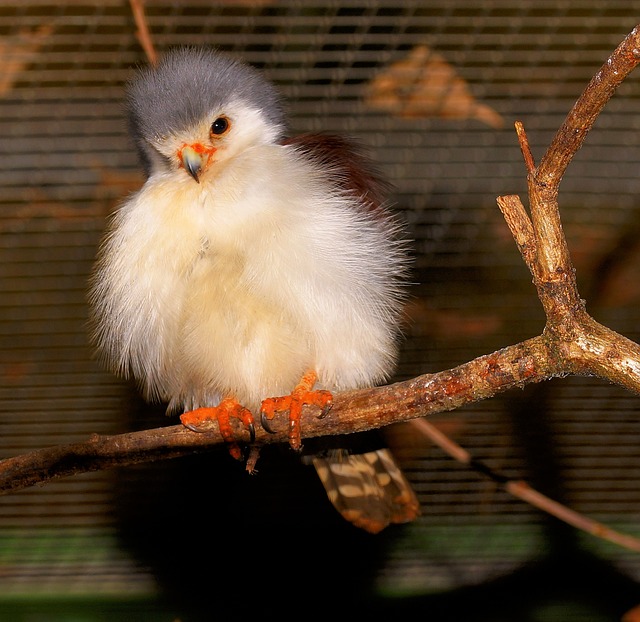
[(17, 51), (424, 84)]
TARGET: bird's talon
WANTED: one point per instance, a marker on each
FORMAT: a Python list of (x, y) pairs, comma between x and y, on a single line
[(228, 409), (193, 428), (325, 410), (264, 421)]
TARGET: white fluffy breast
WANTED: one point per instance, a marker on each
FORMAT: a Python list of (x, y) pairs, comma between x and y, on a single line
[(240, 284)]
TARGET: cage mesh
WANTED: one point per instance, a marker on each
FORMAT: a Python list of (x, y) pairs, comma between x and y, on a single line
[(66, 162)]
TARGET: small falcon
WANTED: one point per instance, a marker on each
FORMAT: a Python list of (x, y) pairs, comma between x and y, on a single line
[(253, 273)]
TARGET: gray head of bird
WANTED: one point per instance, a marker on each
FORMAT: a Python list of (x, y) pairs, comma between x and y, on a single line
[(200, 107)]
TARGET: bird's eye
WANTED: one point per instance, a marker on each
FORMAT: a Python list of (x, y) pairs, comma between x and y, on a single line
[(220, 126)]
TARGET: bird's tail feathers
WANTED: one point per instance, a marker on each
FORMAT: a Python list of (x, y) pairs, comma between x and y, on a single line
[(368, 489)]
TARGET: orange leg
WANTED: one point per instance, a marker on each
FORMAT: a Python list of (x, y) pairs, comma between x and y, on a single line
[(302, 395), (229, 407)]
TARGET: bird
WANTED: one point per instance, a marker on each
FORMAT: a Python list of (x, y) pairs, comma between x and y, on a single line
[(255, 271)]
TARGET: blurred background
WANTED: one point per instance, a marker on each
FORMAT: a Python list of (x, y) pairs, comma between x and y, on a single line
[(432, 89)]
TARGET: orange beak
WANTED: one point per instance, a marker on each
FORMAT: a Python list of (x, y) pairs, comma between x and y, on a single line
[(194, 158)]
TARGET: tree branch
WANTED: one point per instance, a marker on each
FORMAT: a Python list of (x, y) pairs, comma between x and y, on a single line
[(524, 492), (353, 411), (142, 31)]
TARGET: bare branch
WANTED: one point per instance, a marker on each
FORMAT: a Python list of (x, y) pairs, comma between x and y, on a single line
[(524, 147), (585, 111), (353, 411), (521, 228), (553, 260), (142, 32), (524, 492)]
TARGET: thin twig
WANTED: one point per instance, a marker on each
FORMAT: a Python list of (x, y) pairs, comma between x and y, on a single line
[(571, 135), (353, 411), (142, 32), (524, 147), (524, 492), (520, 227), (554, 264)]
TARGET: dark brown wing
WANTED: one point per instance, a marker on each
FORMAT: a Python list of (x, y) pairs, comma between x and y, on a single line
[(352, 170)]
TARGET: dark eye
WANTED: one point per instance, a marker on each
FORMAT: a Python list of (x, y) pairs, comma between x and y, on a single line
[(220, 126)]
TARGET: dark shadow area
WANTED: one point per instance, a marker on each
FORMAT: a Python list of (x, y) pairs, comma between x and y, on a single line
[(222, 541), (556, 588)]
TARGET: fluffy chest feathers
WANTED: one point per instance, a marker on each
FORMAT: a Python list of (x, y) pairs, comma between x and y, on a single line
[(242, 282)]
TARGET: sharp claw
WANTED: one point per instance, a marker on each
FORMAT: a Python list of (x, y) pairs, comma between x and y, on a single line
[(252, 432), (325, 410), (194, 428), (264, 421)]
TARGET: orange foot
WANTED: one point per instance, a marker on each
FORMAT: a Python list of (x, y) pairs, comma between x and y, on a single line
[(301, 396), (222, 413)]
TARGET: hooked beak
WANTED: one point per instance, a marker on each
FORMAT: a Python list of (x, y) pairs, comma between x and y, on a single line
[(192, 161)]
